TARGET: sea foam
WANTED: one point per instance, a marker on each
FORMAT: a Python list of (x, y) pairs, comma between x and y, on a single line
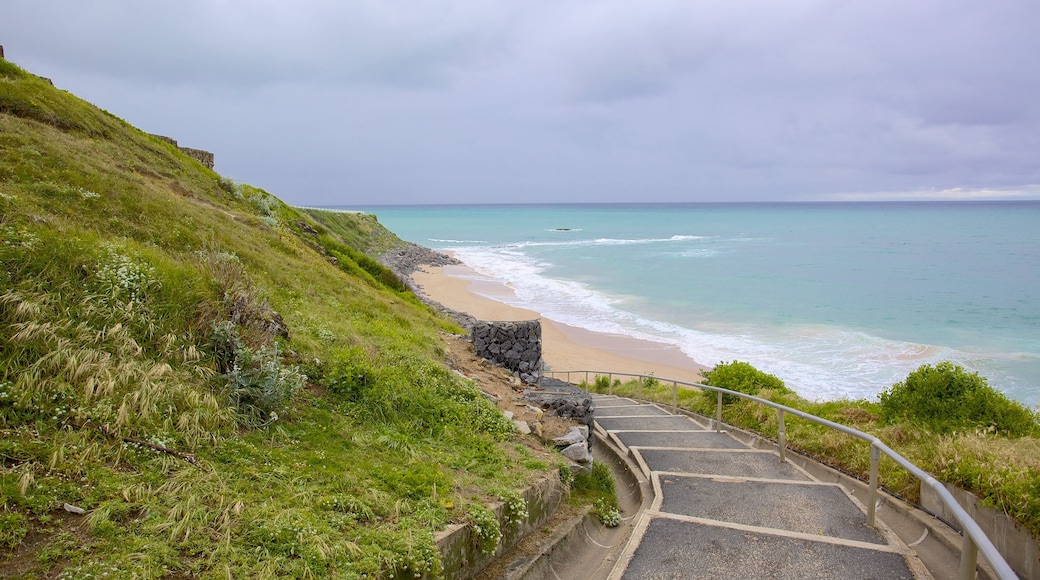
[(817, 361), (836, 299)]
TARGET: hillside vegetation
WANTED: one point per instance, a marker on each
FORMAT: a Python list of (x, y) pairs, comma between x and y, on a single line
[(226, 385)]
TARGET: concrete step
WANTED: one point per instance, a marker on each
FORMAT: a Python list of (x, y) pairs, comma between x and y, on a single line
[(648, 423), (630, 411), (818, 509), (672, 548), (688, 439), (725, 510), (745, 462)]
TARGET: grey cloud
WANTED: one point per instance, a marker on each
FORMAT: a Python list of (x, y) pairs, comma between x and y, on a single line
[(567, 100), (241, 43)]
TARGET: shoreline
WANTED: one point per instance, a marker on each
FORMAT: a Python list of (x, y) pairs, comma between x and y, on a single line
[(564, 347)]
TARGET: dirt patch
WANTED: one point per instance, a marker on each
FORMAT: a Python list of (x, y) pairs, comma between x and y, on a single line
[(63, 527), (499, 385)]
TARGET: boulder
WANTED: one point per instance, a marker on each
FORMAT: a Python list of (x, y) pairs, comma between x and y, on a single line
[(578, 452), (574, 435)]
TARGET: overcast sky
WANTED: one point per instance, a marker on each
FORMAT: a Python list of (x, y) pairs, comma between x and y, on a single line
[(360, 102)]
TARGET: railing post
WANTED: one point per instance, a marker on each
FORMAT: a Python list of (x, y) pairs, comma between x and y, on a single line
[(639, 389), (718, 412), (875, 461), (781, 434), (587, 377), (675, 394), (969, 557), (610, 384)]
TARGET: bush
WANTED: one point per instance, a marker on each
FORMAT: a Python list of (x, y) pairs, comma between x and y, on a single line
[(947, 398), (743, 378), (257, 382), (349, 375)]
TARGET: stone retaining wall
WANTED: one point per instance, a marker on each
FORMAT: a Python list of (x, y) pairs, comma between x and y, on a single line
[(516, 346), (203, 157)]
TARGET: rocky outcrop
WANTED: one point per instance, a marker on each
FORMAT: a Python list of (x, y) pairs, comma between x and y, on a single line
[(575, 444), (412, 257), (516, 346)]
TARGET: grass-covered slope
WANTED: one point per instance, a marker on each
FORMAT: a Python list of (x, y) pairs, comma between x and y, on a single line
[(227, 386)]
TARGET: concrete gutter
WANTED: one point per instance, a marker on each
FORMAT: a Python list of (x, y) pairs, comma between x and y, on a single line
[(582, 547)]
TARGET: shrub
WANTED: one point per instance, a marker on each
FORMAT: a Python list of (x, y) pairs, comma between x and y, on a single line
[(947, 398), (123, 278), (225, 343), (347, 256), (228, 185), (743, 378), (349, 375), (650, 381), (257, 383)]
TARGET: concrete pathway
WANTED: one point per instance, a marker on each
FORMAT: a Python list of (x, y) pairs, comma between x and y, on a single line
[(724, 510)]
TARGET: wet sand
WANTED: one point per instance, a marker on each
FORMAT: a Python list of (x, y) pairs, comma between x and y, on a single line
[(564, 347)]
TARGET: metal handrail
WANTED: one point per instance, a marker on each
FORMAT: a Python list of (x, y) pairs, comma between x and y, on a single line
[(974, 539)]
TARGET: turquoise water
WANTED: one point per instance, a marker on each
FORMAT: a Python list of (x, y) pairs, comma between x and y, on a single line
[(839, 300)]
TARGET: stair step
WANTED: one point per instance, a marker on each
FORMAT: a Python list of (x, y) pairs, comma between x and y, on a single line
[(731, 463), (814, 508), (689, 439), (680, 549)]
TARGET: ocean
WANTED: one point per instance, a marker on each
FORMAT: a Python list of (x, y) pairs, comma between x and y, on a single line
[(840, 300)]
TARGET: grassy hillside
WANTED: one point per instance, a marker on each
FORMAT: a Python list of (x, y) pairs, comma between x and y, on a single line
[(226, 385)]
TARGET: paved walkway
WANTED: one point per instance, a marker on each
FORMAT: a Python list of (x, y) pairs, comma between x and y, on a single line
[(724, 510)]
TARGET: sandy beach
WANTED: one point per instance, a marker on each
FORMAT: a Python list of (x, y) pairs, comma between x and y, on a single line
[(564, 347)]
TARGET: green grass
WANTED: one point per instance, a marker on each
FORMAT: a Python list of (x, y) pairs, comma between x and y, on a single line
[(596, 487), (133, 281), (1003, 472)]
